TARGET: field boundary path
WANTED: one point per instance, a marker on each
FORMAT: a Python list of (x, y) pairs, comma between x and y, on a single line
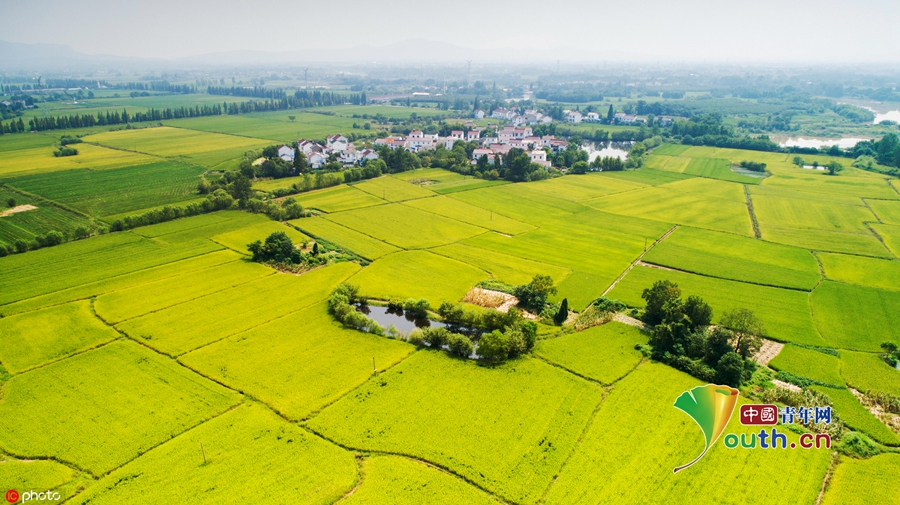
[(753, 220), (638, 260), (768, 351)]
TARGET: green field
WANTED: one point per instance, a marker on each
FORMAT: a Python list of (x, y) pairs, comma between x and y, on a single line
[(455, 209), (45, 218), (736, 258), (352, 240), (238, 240), (405, 227), (297, 373), (637, 438), (418, 274), (122, 190), (206, 149), (717, 168), (396, 480), (809, 363), (871, 272), (784, 313), (602, 353), (34, 338), (131, 302), (40, 160), (227, 312), (806, 214), (533, 410), (392, 189), (868, 372), (857, 416), (337, 199), (854, 317), (503, 267), (154, 398), (860, 482), (891, 236), (300, 468), (887, 211)]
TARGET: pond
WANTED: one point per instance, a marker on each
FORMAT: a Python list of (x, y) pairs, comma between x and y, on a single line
[(893, 115), (406, 323), (844, 143), (607, 150)]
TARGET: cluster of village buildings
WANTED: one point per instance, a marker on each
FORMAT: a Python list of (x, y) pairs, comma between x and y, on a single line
[(516, 134), (317, 154)]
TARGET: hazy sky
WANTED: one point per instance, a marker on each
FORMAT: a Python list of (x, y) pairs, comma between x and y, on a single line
[(714, 30)]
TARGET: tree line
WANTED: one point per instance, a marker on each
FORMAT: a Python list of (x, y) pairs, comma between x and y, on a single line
[(299, 100)]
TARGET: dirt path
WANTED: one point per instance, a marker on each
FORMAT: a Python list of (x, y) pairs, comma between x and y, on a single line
[(769, 350), (651, 265), (786, 385), (17, 209), (638, 260)]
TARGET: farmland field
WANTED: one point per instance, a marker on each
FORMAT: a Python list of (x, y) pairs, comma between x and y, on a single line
[(312, 471), (392, 189), (503, 267), (890, 234), (717, 168), (34, 338), (533, 410), (206, 149), (41, 160), (418, 274), (396, 480), (216, 316), (856, 416), (871, 272), (105, 192), (868, 372), (809, 363), (45, 217), (297, 373), (238, 240), (636, 452), (737, 258), (337, 199), (603, 353), (859, 482), (854, 317), (350, 239), (784, 313), (156, 400), (404, 226), (887, 211), (454, 209)]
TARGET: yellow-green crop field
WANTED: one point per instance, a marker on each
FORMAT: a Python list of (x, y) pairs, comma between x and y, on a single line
[(207, 149), (137, 366)]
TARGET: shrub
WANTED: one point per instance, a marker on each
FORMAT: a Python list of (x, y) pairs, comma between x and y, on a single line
[(460, 345), (82, 232), (534, 294), (416, 338), (21, 246), (436, 338), (857, 445), (493, 347), (65, 151), (418, 309), (753, 166), (563, 312), (11, 202)]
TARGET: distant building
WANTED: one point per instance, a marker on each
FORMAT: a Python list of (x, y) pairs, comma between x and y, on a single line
[(572, 116), (286, 153), (479, 114)]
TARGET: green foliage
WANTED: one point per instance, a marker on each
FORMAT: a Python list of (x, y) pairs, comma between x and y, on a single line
[(863, 481), (656, 297), (563, 313), (533, 296), (493, 347), (857, 445)]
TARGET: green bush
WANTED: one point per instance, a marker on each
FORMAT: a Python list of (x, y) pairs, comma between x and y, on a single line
[(460, 345)]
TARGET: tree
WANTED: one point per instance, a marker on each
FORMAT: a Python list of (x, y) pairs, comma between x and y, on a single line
[(241, 188), (563, 313), (493, 347), (747, 329), (833, 167), (729, 369), (11, 202), (460, 345), (534, 294), (610, 114), (717, 344), (698, 311), (301, 165), (292, 118), (656, 297)]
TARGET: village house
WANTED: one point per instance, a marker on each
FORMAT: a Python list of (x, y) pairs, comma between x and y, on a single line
[(539, 156), (572, 116), (479, 114), (316, 160), (286, 153), (592, 117)]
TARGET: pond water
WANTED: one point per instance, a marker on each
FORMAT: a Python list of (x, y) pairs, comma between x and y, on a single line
[(607, 150), (406, 323), (893, 115), (844, 143)]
